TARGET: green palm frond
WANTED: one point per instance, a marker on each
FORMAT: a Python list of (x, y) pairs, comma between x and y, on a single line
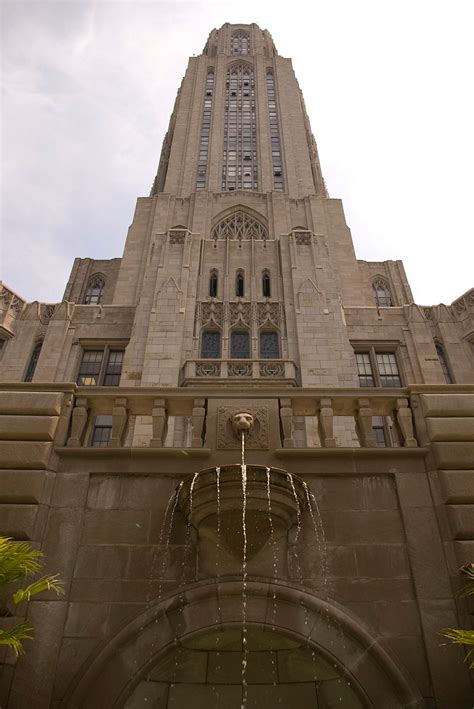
[(47, 583), (17, 560), (462, 637), (468, 570), (14, 636)]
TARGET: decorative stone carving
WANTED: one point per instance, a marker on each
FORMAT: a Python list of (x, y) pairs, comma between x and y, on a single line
[(5, 298), (325, 424), (208, 369), (16, 306), (177, 236), (257, 437), (272, 369), (405, 423), (242, 423), (211, 311), (239, 369), (303, 238), (240, 312), (240, 226), (268, 312), (46, 313), (364, 424)]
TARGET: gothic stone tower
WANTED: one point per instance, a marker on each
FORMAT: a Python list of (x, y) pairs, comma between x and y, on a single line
[(239, 290)]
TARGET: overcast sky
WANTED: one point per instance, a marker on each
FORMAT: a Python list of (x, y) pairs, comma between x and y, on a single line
[(88, 88)]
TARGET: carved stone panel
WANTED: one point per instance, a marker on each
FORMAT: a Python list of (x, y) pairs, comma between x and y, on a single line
[(256, 439)]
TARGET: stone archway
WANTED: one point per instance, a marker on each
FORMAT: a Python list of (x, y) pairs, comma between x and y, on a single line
[(145, 647)]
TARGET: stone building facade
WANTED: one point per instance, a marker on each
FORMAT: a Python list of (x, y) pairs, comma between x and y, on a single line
[(239, 292)]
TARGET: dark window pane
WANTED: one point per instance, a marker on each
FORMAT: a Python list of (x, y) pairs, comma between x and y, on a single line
[(266, 289), (269, 345), (114, 368), (388, 369), (239, 285), (379, 431), (94, 290), (211, 345), (444, 364), (89, 370), (213, 284), (101, 431), (240, 344), (364, 369), (33, 362)]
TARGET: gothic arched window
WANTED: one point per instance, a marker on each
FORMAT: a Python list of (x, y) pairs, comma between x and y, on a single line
[(269, 344), (33, 362), (211, 344), (382, 295), (239, 284), (240, 344), (266, 285), (241, 227), (213, 284), (240, 42), (95, 288), (444, 363)]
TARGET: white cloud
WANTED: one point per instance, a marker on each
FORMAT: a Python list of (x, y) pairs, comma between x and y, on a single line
[(89, 87)]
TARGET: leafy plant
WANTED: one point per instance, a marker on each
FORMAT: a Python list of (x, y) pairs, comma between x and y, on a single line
[(18, 560), (464, 637)]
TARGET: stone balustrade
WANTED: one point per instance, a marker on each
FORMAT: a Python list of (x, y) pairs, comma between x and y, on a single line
[(208, 370), (324, 406)]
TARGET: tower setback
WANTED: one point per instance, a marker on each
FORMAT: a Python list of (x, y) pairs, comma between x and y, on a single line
[(239, 293)]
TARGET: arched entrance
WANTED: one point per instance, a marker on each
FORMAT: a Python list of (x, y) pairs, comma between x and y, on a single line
[(301, 652)]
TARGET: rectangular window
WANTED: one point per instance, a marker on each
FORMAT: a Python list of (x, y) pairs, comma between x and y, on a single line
[(101, 431), (100, 367), (377, 368)]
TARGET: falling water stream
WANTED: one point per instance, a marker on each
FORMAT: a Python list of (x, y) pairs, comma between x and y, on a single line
[(300, 503), (244, 576)]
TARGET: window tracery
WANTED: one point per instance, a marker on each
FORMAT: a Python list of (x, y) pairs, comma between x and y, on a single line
[(240, 42), (240, 226), (382, 295), (277, 169), (211, 344), (239, 165), (95, 288), (205, 132), (240, 344)]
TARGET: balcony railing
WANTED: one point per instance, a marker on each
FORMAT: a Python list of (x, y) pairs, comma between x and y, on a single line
[(325, 406), (208, 370)]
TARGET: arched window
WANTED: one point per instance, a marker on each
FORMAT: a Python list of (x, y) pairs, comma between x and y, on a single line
[(95, 288), (269, 344), (240, 42), (444, 363), (211, 344), (382, 295), (240, 344), (241, 227), (266, 285), (213, 284), (239, 284), (33, 362)]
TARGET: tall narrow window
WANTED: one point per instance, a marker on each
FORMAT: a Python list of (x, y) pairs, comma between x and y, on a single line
[(388, 369), (95, 287), (269, 345), (240, 42), (213, 284), (239, 285), (211, 344), (382, 295), (240, 344), (277, 169), (444, 364), (364, 369), (239, 164), (266, 286), (30, 372), (101, 431), (201, 179)]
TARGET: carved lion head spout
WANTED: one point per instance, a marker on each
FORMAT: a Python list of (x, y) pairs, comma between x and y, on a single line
[(242, 423)]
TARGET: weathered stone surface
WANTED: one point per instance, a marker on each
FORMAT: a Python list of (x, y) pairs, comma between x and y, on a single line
[(27, 403), (451, 429), (461, 519), (18, 521), (457, 485), (444, 405), (149, 694), (115, 527), (22, 486), (24, 454), (458, 456), (28, 428)]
